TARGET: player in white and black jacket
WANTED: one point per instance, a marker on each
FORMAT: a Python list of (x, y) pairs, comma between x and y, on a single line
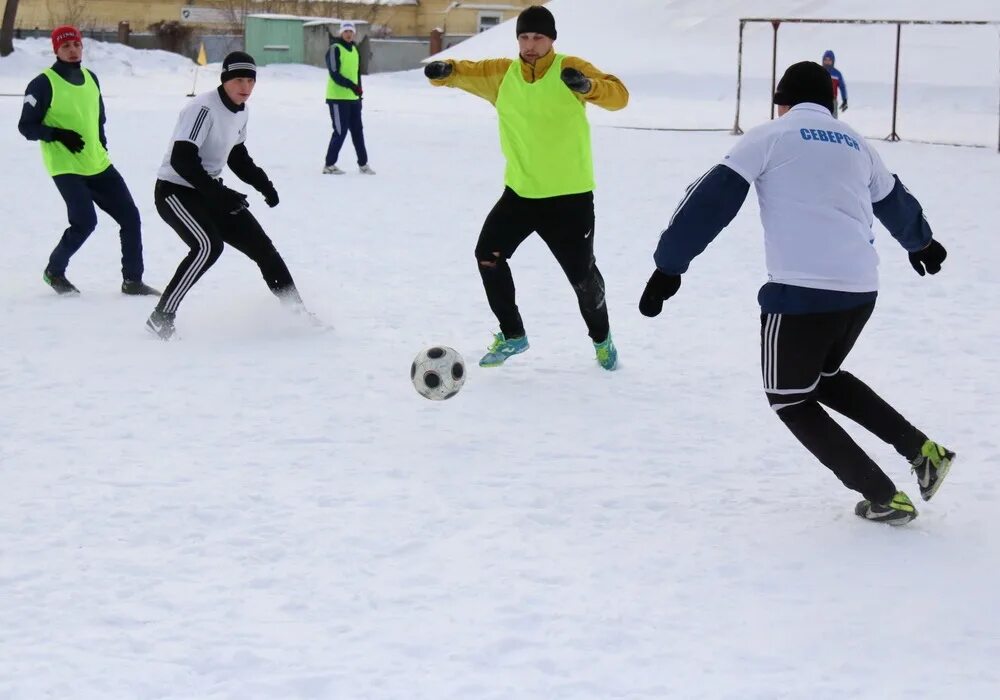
[(819, 186), (192, 199)]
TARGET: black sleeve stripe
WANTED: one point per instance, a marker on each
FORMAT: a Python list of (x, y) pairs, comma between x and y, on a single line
[(197, 123)]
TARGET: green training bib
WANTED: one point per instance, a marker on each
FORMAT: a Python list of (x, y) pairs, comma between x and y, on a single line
[(544, 135)]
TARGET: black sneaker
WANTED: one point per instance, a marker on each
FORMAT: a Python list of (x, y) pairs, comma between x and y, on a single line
[(161, 324), (931, 467), (59, 283), (138, 288), (898, 511)]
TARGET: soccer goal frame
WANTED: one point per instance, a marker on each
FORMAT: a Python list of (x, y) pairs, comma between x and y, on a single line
[(776, 23)]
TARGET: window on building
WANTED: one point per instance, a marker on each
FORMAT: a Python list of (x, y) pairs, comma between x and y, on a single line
[(488, 20)]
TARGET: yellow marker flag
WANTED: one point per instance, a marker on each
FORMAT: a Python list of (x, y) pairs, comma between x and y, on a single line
[(202, 58)]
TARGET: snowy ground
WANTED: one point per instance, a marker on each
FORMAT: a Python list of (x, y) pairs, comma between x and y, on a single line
[(263, 511)]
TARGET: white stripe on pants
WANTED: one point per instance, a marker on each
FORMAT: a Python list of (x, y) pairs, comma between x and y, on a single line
[(770, 360), (204, 253), (336, 120)]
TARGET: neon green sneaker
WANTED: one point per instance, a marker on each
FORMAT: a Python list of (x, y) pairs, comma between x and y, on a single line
[(898, 511), (607, 353), (501, 348), (931, 467)]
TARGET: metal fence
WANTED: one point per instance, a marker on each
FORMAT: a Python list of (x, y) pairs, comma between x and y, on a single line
[(776, 23)]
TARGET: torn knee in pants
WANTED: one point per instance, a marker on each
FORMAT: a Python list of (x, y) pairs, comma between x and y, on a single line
[(490, 260)]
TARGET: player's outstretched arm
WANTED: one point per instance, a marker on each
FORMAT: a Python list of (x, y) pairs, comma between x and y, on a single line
[(903, 217), (602, 89), (480, 78), (709, 205)]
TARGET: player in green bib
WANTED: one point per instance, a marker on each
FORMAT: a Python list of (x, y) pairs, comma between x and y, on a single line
[(343, 97), (541, 100), (64, 111)]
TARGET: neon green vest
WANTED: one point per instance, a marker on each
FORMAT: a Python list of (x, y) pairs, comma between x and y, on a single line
[(544, 134), (76, 107), (350, 65)]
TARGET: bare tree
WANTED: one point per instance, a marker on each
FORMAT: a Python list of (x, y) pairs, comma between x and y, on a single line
[(368, 11), (66, 12), (7, 28)]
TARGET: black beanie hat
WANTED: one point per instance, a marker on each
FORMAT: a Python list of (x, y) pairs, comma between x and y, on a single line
[(238, 65), (538, 20), (806, 81)]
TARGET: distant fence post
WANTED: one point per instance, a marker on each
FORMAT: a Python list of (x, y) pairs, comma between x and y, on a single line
[(739, 81), (893, 136), (437, 42), (123, 32), (774, 63)]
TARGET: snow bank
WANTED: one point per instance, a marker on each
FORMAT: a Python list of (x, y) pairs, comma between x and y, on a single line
[(107, 60), (654, 36)]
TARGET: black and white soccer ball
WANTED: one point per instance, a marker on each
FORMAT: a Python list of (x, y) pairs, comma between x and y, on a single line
[(438, 372)]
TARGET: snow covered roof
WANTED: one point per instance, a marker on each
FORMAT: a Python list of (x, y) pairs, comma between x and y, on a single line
[(309, 21), (370, 2)]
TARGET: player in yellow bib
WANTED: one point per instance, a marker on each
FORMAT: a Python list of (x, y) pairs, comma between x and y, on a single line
[(63, 110), (541, 100), (344, 98)]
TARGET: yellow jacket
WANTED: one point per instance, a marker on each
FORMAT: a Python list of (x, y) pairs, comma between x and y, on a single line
[(483, 78)]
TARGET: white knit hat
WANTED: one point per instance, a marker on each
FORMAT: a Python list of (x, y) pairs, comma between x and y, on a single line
[(348, 26)]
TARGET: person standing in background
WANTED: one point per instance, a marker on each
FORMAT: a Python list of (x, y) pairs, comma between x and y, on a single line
[(343, 96), (839, 84)]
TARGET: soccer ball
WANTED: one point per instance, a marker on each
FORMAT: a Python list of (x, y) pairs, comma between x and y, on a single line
[(438, 372)]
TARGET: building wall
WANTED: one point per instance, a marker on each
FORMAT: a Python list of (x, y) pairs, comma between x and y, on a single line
[(466, 17), (96, 14), (417, 19)]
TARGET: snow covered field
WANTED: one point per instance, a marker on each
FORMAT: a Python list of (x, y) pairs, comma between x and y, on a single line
[(264, 511)]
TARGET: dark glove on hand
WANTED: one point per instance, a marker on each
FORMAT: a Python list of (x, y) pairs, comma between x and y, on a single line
[(357, 90), (575, 80), (843, 106), (659, 288), (228, 201), (930, 257), (270, 194), (436, 70), (69, 138)]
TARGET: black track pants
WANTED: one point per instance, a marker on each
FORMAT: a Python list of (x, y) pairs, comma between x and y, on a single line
[(206, 231), (566, 224), (801, 355)]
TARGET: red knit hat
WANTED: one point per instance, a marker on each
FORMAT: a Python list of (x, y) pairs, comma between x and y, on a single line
[(60, 35)]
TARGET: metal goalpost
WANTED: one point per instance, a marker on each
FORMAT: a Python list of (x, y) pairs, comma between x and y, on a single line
[(776, 23)]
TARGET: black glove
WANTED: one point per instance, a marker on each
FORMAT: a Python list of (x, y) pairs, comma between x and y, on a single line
[(843, 106), (659, 288), (575, 80), (228, 201), (69, 138), (270, 194), (930, 257), (357, 90), (436, 70)]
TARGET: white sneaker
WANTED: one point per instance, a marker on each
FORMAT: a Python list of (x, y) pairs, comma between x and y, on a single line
[(332, 170), (366, 169)]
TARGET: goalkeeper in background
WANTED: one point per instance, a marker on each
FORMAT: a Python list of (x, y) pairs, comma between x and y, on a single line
[(839, 84)]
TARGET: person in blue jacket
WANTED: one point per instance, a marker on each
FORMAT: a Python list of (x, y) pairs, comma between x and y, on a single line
[(839, 84), (343, 96)]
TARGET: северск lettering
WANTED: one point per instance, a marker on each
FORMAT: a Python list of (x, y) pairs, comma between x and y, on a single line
[(828, 137)]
